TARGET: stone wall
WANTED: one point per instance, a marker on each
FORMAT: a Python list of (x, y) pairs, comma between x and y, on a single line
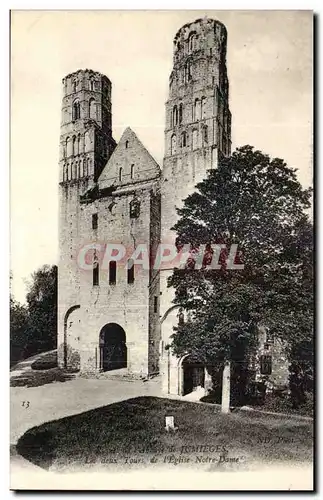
[(276, 349), (131, 175), (198, 127), (123, 303), (154, 286), (80, 160)]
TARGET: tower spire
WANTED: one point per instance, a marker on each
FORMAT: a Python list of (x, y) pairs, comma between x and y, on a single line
[(198, 119), (86, 138)]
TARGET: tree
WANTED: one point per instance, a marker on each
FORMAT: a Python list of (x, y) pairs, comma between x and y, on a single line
[(18, 328), (255, 202), (42, 309), (301, 372)]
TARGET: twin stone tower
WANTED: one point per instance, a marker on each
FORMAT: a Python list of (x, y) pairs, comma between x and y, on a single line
[(115, 319)]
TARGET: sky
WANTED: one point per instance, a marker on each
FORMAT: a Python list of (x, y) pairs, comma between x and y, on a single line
[(269, 61)]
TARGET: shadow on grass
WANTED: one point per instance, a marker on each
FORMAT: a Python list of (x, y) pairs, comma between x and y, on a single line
[(31, 378), (135, 429)]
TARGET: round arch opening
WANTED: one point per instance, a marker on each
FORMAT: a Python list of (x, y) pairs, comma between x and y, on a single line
[(113, 347), (192, 376)]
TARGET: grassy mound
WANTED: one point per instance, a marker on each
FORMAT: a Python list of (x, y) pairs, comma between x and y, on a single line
[(46, 362), (132, 434)]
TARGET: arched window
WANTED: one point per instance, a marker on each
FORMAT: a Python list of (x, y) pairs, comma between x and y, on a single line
[(75, 86), (91, 84), (175, 116), (74, 146), (187, 72), (203, 107), (180, 113), (64, 149), (130, 272), (87, 141), (78, 149), (75, 170), (85, 168), (81, 172), (69, 171), (205, 134), (92, 109), (132, 171), (192, 42), (173, 145), (68, 145), (120, 174), (195, 139), (76, 111), (65, 172), (183, 140), (81, 149), (79, 164), (127, 144), (197, 110)]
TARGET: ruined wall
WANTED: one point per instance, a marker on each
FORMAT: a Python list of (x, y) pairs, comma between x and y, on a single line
[(124, 199), (275, 349), (68, 272), (85, 144), (126, 304), (154, 286), (197, 131), (198, 120), (197, 135)]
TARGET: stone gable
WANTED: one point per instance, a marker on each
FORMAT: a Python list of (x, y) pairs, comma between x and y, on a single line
[(130, 163)]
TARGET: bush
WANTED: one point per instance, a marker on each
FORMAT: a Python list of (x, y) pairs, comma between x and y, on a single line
[(279, 404), (45, 362)]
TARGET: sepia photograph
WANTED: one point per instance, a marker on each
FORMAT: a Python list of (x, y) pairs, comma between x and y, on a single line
[(161, 268)]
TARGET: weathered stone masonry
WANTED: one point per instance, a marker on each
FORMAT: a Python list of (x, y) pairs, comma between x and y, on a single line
[(116, 193), (101, 180)]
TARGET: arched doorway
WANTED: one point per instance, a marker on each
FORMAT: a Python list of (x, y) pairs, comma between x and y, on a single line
[(71, 337), (193, 375), (113, 348)]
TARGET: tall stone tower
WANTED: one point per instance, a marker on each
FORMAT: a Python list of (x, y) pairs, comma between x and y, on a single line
[(197, 133), (86, 143), (86, 139)]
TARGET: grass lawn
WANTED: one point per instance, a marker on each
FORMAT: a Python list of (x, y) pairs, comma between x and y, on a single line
[(131, 434)]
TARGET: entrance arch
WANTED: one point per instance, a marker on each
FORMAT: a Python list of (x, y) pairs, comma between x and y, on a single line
[(191, 375), (66, 327), (113, 347)]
